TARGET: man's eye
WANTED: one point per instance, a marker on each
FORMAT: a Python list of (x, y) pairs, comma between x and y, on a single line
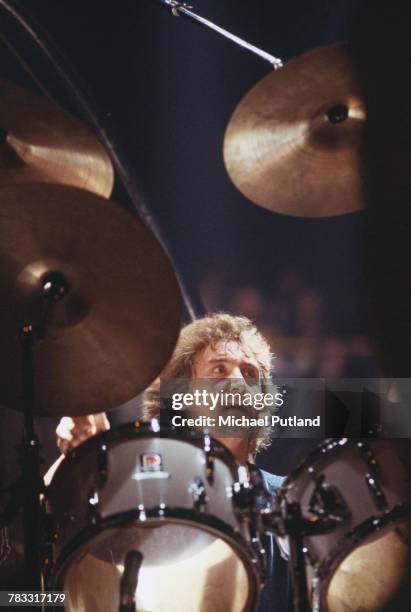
[(250, 374), (219, 369)]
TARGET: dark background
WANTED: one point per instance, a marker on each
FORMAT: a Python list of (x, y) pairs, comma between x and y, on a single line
[(168, 87)]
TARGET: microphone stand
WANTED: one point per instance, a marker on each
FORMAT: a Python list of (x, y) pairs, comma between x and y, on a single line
[(182, 9)]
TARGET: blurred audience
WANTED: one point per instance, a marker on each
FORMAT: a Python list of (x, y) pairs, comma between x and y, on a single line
[(294, 319)]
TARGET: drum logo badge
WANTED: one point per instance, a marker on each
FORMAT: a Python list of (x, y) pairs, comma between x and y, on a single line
[(151, 462)]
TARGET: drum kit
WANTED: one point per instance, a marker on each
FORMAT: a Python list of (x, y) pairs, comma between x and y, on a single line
[(142, 518), (189, 509)]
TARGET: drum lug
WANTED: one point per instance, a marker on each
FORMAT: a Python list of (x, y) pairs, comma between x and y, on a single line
[(93, 505), (198, 492), (209, 460), (372, 476), (376, 492)]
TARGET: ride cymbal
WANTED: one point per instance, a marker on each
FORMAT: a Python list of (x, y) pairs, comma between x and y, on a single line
[(294, 143), (40, 142), (115, 320)]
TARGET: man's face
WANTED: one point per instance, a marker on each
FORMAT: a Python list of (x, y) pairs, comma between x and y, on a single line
[(239, 372), (227, 367), (227, 360)]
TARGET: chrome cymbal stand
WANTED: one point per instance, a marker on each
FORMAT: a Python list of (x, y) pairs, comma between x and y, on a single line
[(54, 288), (184, 10)]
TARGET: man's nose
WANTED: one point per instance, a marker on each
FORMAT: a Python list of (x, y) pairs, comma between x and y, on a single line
[(236, 380)]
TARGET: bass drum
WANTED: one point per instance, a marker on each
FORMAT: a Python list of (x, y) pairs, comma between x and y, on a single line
[(170, 499), (364, 564)]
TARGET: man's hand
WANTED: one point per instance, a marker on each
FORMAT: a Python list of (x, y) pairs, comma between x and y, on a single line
[(72, 431)]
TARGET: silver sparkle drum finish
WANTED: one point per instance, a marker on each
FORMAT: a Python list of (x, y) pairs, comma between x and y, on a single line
[(176, 501), (364, 564)]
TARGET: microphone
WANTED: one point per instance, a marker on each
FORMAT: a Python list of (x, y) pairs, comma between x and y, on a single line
[(129, 579)]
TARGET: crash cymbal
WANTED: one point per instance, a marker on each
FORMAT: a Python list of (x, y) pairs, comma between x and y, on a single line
[(40, 142), (117, 324), (294, 142)]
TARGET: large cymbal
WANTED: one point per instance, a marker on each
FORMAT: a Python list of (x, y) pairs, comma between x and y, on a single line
[(40, 142), (294, 143), (116, 328)]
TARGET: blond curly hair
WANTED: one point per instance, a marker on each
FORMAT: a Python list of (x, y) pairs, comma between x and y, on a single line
[(209, 331)]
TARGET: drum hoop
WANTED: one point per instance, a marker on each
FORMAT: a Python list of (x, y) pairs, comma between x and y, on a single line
[(327, 447), (138, 430), (174, 515), (325, 571)]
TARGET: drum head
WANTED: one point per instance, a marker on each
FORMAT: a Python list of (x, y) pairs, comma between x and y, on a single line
[(376, 576), (185, 569)]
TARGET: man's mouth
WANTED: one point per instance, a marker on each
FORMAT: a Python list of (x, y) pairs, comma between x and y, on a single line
[(236, 409)]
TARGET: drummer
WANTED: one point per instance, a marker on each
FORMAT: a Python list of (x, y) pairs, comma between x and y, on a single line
[(217, 346)]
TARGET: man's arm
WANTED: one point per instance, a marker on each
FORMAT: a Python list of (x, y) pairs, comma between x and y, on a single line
[(72, 431)]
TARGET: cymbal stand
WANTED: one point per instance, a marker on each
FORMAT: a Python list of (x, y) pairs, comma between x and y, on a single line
[(293, 521), (182, 9), (284, 519), (129, 580), (54, 288), (31, 471), (296, 526)]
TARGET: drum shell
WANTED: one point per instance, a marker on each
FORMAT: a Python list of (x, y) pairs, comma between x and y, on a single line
[(107, 471), (372, 510)]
